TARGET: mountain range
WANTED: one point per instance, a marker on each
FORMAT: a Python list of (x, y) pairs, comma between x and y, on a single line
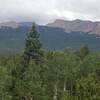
[(69, 26), (77, 26), (57, 35), (14, 24)]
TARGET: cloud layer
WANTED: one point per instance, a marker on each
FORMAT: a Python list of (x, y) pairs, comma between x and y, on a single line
[(44, 11)]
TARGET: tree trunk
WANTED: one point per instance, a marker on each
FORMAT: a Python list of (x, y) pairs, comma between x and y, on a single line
[(55, 91), (64, 88)]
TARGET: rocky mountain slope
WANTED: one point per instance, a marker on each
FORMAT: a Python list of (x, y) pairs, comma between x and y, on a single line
[(14, 24), (11, 24), (77, 26)]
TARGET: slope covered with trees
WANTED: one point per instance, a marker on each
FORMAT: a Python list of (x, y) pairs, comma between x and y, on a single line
[(38, 74), (51, 38)]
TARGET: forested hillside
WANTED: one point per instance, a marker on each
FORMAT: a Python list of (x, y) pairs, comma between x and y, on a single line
[(13, 39), (38, 74)]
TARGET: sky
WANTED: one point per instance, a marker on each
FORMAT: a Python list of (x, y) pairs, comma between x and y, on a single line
[(45, 11)]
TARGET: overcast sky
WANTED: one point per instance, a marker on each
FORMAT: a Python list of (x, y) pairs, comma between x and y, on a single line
[(44, 11)]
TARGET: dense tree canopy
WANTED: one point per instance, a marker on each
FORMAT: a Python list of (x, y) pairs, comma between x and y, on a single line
[(67, 74)]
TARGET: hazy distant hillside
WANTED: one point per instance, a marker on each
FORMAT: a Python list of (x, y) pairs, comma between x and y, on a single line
[(11, 24), (77, 26), (52, 38)]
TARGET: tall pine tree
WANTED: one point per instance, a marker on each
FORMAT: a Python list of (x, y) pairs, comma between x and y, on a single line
[(32, 48), (32, 51)]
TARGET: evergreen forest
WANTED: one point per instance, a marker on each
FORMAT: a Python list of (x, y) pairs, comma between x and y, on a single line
[(39, 74)]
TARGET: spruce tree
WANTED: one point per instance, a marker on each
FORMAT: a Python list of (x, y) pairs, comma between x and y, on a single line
[(32, 48), (32, 51), (84, 51)]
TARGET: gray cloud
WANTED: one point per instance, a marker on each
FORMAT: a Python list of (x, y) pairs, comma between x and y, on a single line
[(44, 11)]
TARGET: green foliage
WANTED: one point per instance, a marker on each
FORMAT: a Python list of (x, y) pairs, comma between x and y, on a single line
[(88, 88), (83, 52), (62, 76), (23, 76), (51, 75), (5, 81), (32, 45)]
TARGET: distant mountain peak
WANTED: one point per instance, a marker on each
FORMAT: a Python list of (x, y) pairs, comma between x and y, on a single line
[(77, 25), (11, 24), (14, 24)]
